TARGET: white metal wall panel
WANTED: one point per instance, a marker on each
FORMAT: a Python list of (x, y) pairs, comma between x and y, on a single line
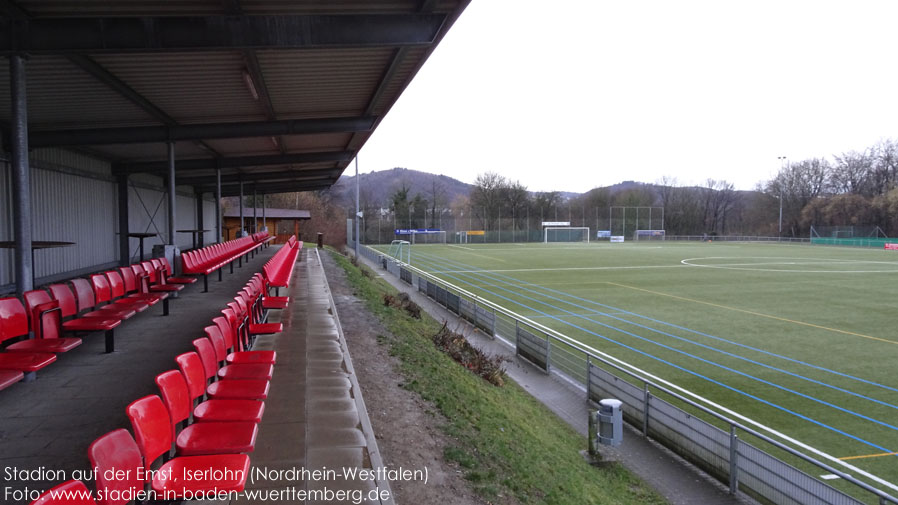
[(185, 219), (75, 209), (209, 221), (61, 158), (147, 213)]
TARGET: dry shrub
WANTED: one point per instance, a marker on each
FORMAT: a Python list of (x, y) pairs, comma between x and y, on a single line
[(404, 302), (491, 368)]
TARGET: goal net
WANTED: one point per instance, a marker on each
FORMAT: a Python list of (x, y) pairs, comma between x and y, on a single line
[(400, 250), (422, 236), (649, 235), (566, 234)]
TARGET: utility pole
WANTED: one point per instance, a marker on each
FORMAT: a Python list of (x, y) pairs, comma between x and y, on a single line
[(782, 166)]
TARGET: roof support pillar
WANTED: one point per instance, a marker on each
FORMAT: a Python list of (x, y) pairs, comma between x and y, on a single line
[(21, 176), (218, 203), (255, 211), (200, 220), (240, 228), (171, 193), (264, 224), (124, 241)]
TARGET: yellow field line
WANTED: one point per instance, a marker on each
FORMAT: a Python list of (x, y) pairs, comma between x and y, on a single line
[(759, 314), (846, 458)]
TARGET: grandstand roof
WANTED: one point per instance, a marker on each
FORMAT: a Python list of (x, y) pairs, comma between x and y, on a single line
[(279, 95)]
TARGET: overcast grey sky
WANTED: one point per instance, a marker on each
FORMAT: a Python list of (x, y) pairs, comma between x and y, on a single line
[(572, 94)]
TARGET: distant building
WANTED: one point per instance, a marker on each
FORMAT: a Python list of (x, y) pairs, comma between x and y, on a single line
[(280, 222)]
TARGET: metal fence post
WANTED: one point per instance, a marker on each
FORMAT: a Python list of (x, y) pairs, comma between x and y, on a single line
[(734, 476), (588, 374), (645, 409), (548, 354)]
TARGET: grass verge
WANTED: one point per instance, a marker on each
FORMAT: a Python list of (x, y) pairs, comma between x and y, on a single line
[(511, 447)]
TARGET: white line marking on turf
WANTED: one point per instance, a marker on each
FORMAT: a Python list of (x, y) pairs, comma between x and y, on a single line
[(556, 269), (791, 261)]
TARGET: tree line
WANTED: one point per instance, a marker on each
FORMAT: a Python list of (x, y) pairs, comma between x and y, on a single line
[(851, 188)]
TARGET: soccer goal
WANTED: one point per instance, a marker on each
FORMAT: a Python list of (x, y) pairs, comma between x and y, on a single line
[(566, 234), (422, 236), (461, 237), (400, 250), (649, 235)]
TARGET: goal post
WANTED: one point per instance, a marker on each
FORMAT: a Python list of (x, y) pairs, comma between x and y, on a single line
[(421, 235), (649, 235), (566, 234)]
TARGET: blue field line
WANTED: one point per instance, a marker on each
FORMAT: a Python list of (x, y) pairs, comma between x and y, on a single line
[(718, 365), (703, 346), (713, 337), (691, 372)]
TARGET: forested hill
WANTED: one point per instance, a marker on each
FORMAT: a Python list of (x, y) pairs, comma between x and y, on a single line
[(380, 186)]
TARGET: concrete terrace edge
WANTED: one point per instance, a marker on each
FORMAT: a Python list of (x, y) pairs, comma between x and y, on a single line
[(364, 420)]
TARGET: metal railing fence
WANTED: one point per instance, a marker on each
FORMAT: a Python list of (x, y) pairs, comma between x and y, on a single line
[(722, 453)]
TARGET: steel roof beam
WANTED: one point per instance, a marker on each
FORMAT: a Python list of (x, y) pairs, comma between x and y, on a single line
[(281, 175), (214, 33), (233, 162), (270, 189), (150, 134)]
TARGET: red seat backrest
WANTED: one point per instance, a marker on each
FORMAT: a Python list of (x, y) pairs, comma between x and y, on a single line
[(63, 294), (168, 269), (73, 492), (129, 279), (218, 342), (227, 331), (152, 427), (175, 396), (116, 458), (207, 355), (116, 284), (44, 314), (13, 319), (239, 328), (84, 293), (148, 268), (101, 288), (192, 368)]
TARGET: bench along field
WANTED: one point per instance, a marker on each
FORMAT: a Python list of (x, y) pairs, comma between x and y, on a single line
[(800, 338)]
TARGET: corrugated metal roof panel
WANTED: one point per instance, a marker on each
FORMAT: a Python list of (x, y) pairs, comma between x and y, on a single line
[(148, 152), (52, 81), (322, 142), (323, 83), (190, 87), (85, 8), (245, 146), (55, 8)]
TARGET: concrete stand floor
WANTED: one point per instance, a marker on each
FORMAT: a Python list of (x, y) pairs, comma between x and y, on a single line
[(314, 417)]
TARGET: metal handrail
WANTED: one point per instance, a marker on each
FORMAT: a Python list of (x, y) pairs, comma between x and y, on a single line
[(675, 391)]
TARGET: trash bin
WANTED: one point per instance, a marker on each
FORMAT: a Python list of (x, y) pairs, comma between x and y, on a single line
[(611, 428), (320, 240)]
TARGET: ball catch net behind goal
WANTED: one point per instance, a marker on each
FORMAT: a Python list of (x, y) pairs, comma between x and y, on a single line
[(566, 234), (649, 235)]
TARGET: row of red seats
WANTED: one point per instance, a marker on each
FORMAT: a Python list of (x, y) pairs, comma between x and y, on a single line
[(209, 259), (98, 304), (263, 237), (208, 410), (279, 269)]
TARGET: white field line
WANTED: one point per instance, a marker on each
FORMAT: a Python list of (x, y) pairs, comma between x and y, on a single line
[(787, 262), (639, 372), (557, 269)]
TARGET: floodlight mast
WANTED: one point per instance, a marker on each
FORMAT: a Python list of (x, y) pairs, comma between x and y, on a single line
[(782, 166), (356, 241)]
